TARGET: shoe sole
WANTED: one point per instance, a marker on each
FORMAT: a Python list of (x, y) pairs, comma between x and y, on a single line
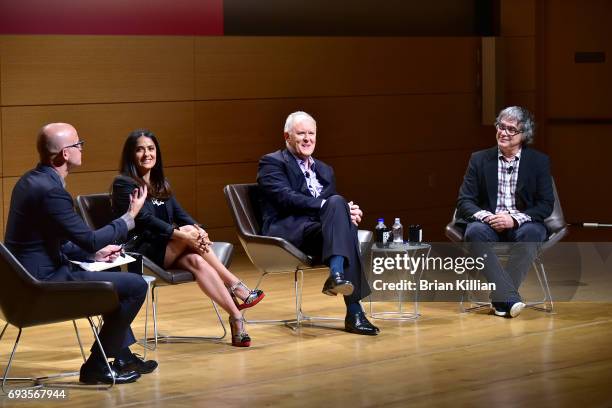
[(97, 382), (147, 371), (346, 289), (499, 313), (243, 306), (374, 333), (328, 292), (516, 309)]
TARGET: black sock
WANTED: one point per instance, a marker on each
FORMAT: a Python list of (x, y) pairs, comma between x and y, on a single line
[(125, 354), (96, 359)]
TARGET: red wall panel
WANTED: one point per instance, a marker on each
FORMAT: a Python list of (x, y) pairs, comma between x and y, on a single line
[(120, 17)]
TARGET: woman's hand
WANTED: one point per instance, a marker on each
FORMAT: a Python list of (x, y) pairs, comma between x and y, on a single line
[(137, 199), (194, 238), (204, 237)]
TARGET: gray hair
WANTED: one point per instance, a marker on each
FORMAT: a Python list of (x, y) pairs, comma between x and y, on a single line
[(524, 119), (294, 117)]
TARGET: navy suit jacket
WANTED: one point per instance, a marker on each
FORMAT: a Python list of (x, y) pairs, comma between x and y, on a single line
[(43, 230), (534, 192), (286, 203), (146, 221)]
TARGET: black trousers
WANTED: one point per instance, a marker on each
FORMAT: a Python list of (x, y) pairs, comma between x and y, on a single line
[(334, 234), (116, 334)]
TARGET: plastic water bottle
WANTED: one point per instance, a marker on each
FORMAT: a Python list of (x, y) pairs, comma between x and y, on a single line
[(382, 232), (398, 231)]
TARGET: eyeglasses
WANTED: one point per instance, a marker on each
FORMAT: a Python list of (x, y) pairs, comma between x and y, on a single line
[(510, 130), (78, 145)]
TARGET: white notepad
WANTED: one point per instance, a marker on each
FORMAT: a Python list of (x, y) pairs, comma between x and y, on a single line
[(101, 266)]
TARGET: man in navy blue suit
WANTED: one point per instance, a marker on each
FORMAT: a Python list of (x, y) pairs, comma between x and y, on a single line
[(43, 231), (299, 203), (505, 196)]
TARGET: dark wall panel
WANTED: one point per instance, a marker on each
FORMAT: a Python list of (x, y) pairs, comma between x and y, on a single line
[(357, 17)]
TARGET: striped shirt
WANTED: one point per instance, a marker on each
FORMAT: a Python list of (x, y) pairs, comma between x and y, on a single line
[(507, 177)]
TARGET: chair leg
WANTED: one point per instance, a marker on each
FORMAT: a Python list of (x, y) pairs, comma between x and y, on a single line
[(76, 330), (154, 302), (547, 302), (43, 381), (544, 305), (161, 338), (95, 333), (300, 317), (5, 377), (3, 330), (477, 305), (145, 344), (272, 321)]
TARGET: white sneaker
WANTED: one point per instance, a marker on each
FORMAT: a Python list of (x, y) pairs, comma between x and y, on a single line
[(498, 308), (516, 309)]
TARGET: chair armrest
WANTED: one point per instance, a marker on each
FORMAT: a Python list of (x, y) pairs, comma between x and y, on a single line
[(554, 238), (61, 301), (453, 232), (279, 243)]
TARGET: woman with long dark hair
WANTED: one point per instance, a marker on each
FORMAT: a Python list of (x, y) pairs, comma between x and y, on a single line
[(170, 237)]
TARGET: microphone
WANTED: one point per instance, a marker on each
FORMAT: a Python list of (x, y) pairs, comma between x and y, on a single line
[(307, 174), (509, 170), (594, 225)]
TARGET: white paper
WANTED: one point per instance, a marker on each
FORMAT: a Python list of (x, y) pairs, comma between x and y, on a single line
[(101, 266)]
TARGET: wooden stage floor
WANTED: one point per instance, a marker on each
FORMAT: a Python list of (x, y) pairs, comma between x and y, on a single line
[(444, 359)]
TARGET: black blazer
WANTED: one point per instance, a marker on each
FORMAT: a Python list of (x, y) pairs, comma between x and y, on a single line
[(43, 230), (534, 192), (146, 221), (285, 201)]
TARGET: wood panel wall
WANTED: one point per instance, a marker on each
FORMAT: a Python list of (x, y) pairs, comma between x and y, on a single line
[(397, 117), (518, 31), (578, 108)]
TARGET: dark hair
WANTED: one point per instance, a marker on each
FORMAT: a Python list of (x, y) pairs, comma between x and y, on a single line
[(158, 185)]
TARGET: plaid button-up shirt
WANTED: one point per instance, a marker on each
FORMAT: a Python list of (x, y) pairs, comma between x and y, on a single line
[(507, 176)]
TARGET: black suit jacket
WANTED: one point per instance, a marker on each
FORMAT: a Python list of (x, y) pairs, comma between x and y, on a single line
[(43, 230), (286, 203), (534, 193), (146, 221)]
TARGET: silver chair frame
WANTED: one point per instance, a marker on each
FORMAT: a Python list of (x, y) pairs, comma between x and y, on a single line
[(544, 305), (44, 381), (165, 338)]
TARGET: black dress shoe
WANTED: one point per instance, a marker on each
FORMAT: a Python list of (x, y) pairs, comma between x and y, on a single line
[(358, 323), (337, 284), (97, 375), (134, 363)]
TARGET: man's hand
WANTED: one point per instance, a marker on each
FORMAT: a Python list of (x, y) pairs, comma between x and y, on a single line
[(356, 213), (108, 254), (500, 222), (137, 199)]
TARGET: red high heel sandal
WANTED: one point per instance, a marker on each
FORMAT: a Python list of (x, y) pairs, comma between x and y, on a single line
[(253, 298), (240, 339)]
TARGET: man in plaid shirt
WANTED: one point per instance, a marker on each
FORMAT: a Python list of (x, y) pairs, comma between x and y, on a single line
[(505, 196)]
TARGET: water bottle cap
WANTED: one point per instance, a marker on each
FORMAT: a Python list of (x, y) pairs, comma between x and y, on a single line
[(380, 220), (397, 220)]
